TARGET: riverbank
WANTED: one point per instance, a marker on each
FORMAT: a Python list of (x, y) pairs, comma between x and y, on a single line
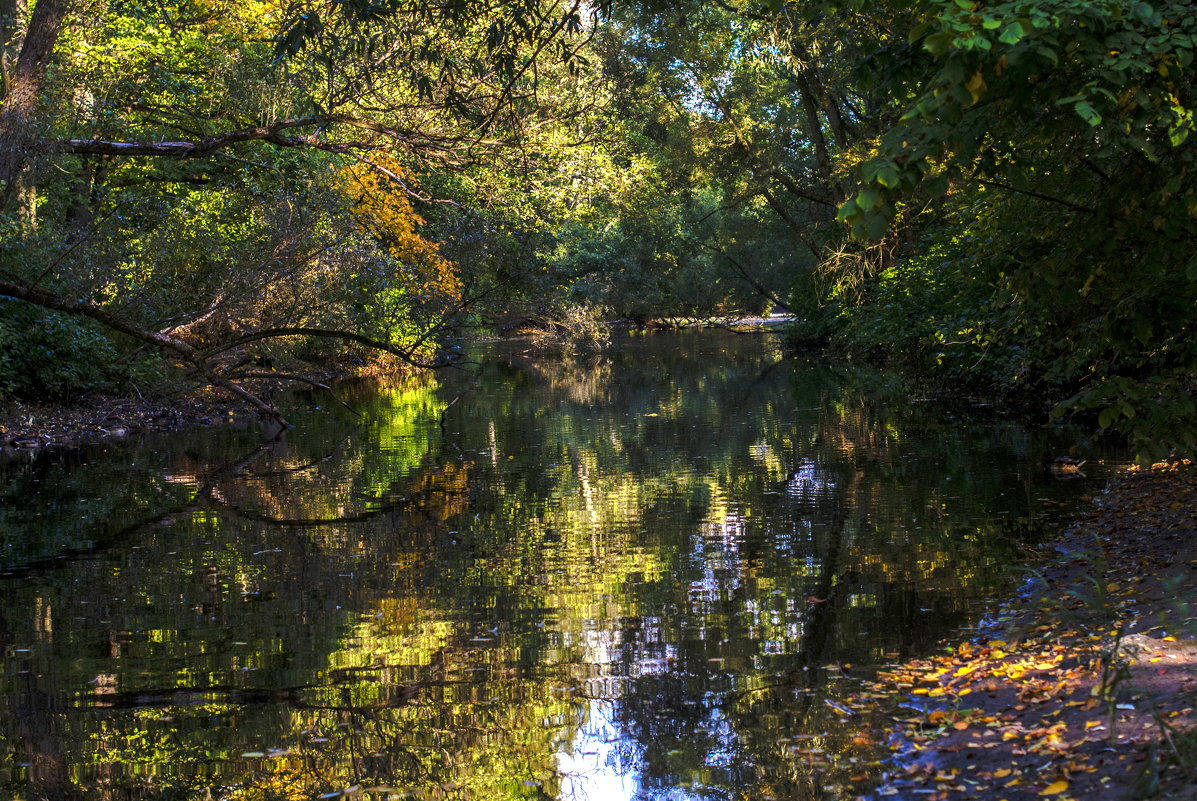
[(27, 428), (1082, 686)]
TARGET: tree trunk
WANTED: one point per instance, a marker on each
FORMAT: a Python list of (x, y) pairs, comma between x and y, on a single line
[(80, 213), (817, 87), (795, 226), (814, 126), (24, 86)]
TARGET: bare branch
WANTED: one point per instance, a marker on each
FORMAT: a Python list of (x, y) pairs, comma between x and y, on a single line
[(86, 308), (275, 134), (302, 380), (327, 333)]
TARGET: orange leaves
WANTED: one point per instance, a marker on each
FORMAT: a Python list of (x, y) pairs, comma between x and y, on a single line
[(937, 716), (1046, 720), (380, 205), (1037, 692)]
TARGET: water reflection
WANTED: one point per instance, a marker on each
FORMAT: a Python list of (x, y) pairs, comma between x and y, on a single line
[(628, 576)]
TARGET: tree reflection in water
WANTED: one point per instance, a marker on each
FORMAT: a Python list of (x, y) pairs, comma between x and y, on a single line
[(623, 576)]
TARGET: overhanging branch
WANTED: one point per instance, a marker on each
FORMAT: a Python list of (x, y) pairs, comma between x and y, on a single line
[(326, 333), (85, 308), (279, 133)]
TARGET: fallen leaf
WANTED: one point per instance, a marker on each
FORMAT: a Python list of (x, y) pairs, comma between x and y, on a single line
[(1055, 788)]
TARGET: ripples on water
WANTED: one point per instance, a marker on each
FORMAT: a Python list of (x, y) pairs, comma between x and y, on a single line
[(623, 576)]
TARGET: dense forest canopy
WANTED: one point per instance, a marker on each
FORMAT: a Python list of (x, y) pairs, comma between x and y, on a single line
[(1000, 194)]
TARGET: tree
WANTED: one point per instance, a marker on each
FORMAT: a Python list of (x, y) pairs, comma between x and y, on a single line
[(1075, 120), (241, 116)]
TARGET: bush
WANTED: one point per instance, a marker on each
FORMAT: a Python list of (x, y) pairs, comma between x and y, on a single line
[(46, 355), (815, 313)]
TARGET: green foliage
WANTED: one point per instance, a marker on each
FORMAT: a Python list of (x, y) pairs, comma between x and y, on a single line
[(1063, 130), (46, 355), (941, 307), (816, 312), (1106, 80), (1026, 170)]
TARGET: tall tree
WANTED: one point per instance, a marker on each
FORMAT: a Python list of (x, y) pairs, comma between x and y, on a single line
[(204, 142)]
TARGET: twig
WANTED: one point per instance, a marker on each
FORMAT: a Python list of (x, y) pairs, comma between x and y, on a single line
[(470, 388), (301, 379)]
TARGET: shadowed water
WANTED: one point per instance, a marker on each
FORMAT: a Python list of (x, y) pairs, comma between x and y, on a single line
[(609, 577)]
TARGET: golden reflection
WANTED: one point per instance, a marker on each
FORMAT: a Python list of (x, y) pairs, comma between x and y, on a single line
[(595, 560)]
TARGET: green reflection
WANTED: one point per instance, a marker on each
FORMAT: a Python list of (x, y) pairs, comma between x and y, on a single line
[(626, 572)]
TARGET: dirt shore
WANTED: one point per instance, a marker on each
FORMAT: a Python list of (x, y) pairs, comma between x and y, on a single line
[(28, 428), (1083, 686)]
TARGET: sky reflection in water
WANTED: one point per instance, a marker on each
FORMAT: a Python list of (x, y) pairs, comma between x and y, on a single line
[(623, 576)]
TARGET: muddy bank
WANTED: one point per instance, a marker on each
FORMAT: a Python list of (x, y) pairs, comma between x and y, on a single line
[(1083, 686), (28, 428)]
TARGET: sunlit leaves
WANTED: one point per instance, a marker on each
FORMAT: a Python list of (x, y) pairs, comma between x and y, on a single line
[(1066, 111), (976, 62), (378, 194)]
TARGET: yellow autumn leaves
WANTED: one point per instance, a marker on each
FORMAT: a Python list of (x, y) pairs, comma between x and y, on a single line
[(241, 19), (380, 206)]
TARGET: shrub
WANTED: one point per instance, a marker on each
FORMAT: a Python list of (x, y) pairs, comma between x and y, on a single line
[(46, 355)]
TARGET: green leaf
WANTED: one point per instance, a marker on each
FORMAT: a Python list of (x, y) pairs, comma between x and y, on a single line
[(888, 177), (868, 199), (937, 43), (847, 210), (1049, 54), (918, 31), (1178, 133), (1013, 33), (954, 72), (876, 226), (1107, 417), (1087, 112)]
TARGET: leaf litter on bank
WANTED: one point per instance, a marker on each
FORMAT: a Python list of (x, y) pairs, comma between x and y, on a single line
[(1086, 692)]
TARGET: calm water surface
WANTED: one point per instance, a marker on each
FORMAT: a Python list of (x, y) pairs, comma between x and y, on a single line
[(616, 577)]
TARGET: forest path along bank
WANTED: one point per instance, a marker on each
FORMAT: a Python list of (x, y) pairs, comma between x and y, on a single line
[(1084, 686)]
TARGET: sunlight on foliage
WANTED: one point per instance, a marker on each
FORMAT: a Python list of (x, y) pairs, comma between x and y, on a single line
[(378, 195)]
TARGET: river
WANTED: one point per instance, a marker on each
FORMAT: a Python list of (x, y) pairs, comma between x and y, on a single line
[(646, 574)]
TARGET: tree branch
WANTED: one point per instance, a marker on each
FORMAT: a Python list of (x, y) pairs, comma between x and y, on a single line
[(273, 133), (302, 380), (1048, 198), (86, 308), (740, 268), (327, 333)]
